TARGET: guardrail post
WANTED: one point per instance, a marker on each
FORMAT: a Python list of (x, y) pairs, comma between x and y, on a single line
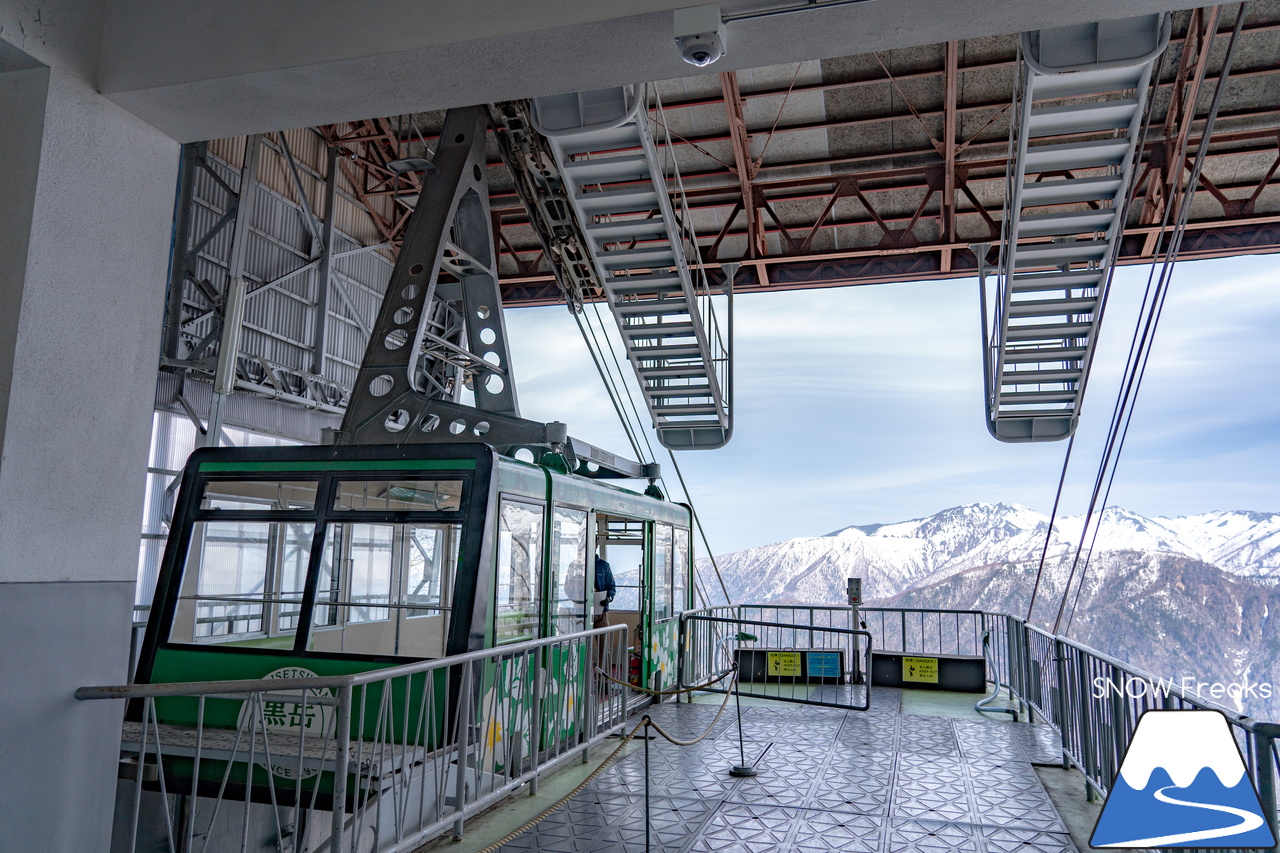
[(1091, 764), (1115, 753), (1060, 662), (535, 727), (681, 648), (591, 682), (1265, 768), (462, 734), (1020, 635), (341, 763)]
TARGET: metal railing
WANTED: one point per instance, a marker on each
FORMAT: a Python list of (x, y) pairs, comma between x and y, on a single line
[(800, 661), (1091, 700), (381, 754), (375, 761)]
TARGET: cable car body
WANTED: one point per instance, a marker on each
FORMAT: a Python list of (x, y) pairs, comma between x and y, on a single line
[(333, 560)]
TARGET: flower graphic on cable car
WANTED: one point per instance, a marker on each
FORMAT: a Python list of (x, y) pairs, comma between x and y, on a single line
[(504, 714)]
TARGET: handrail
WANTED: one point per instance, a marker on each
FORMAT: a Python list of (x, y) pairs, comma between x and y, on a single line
[(403, 758), (281, 685), (1242, 720)]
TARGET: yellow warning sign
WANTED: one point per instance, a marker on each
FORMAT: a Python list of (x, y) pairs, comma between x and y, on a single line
[(923, 670), (784, 664)]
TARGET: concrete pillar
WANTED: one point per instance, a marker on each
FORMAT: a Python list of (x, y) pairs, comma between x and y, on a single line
[(86, 201)]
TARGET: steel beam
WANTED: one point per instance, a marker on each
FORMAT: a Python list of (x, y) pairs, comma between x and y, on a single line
[(742, 162)]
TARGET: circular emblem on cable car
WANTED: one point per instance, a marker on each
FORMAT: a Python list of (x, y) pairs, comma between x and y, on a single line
[(287, 724)]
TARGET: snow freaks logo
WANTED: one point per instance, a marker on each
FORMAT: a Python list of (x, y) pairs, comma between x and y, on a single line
[(1182, 784), (1159, 688)]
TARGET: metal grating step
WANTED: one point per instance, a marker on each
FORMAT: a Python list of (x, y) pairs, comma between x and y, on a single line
[(662, 374), (1052, 307), (651, 331), (664, 396), (659, 351), (1049, 331), (631, 200), (1067, 156), (1060, 254), (1081, 118), (1035, 282), (1040, 377), (621, 230), (1066, 223), (683, 409), (630, 285), (607, 169), (620, 141), (1043, 355), (1070, 191), (1081, 83), (652, 308), (1037, 397), (648, 257)]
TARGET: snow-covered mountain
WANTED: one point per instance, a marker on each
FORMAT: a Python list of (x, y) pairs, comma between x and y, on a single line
[(1188, 596), (893, 558)]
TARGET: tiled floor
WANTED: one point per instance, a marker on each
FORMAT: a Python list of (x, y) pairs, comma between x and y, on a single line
[(830, 780)]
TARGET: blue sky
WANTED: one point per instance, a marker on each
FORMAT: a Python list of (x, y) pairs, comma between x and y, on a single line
[(857, 405)]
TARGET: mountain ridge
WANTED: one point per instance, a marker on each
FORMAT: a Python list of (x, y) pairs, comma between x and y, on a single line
[(1188, 596)]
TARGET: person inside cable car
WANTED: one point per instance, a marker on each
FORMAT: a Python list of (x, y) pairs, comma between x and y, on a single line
[(606, 591)]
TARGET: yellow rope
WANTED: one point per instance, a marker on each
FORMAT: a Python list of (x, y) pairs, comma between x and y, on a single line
[(723, 705), (721, 677)]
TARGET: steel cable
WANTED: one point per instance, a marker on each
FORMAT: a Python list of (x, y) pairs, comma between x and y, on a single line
[(1140, 351)]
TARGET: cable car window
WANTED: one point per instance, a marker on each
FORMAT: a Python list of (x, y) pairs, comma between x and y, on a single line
[(519, 571), (661, 571), (232, 580), (569, 571), (368, 568), (293, 573), (259, 494), (385, 589), (680, 570), (432, 561), (399, 495)]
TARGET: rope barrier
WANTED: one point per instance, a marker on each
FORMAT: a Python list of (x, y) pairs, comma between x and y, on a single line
[(645, 721), (677, 692)]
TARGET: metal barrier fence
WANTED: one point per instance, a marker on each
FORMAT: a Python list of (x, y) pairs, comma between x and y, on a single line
[(1092, 700), (377, 754), (377, 761), (803, 661)]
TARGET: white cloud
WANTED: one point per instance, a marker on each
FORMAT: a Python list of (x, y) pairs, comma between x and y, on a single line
[(864, 404)]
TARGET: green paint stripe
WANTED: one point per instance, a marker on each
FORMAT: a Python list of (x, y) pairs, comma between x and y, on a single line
[(347, 465)]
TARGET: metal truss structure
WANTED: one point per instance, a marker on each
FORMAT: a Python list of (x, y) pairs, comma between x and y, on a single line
[(855, 170), (274, 278), (433, 338), (887, 167)]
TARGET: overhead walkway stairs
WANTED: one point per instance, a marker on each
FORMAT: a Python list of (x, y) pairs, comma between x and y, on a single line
[(1073, 148), (606, 154)]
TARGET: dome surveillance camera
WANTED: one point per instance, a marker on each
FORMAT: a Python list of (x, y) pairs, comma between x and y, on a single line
[(699, 34), (701, 49)]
